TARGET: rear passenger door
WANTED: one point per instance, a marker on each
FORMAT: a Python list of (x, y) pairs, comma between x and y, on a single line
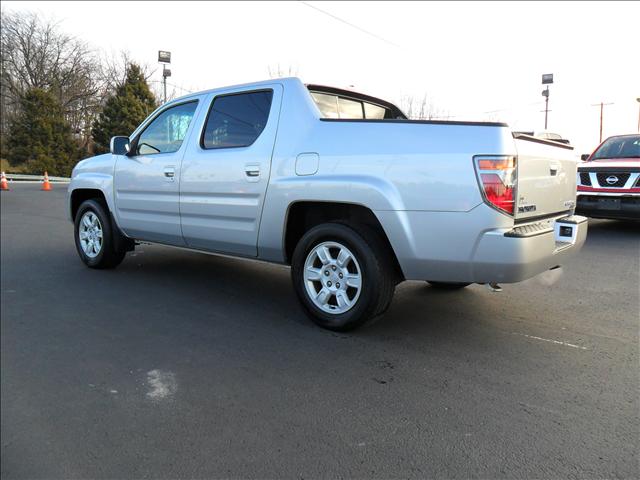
[(226, 171)]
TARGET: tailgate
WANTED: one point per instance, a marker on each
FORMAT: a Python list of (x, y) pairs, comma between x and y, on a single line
[(546, 177)]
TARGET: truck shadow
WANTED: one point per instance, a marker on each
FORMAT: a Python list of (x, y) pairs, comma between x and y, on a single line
[(252, 295)]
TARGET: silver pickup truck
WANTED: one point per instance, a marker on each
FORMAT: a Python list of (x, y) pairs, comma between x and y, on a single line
[(337, 184)]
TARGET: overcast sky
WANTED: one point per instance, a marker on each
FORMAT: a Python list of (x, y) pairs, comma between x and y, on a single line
[(475, 60)]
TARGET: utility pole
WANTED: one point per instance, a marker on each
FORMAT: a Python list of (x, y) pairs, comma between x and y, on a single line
[(547, 79), (601, 105)]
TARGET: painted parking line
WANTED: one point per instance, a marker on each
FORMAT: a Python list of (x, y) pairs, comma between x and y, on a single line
[(557, 342)]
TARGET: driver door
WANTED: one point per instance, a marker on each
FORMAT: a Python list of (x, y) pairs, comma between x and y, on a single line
[(147, 181)]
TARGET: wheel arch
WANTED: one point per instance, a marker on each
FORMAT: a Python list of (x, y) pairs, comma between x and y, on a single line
[(80, 195), (303, 215)]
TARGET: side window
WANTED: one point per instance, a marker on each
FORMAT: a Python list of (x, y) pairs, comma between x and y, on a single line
[(237, 120), (167, 131)]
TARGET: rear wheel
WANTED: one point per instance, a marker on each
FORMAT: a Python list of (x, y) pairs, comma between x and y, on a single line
[(448, 285), (342, 279), (94, 237)]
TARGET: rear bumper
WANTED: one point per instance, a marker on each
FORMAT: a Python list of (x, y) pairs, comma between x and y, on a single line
[(478, 246), (610, 206), (522, 253)]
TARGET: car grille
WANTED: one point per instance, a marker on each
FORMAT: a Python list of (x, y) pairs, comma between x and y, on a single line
[(621, 179), (585, 179)]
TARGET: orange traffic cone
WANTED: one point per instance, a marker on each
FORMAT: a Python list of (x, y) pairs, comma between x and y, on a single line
[(45, 183), (3, 182)]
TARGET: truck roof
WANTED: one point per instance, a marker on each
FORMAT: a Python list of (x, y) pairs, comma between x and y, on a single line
[(401, 117)]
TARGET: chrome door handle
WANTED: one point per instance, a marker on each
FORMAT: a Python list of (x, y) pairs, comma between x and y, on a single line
[(169, 173)]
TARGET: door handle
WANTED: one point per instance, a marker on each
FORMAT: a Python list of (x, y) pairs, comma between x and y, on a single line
[(169, 173), (252, 172)]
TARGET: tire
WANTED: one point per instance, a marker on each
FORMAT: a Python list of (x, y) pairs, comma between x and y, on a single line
[(448, 285), (346, 306), (93, 252)]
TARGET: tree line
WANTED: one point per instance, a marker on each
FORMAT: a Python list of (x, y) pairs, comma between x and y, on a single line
[(60, 99)]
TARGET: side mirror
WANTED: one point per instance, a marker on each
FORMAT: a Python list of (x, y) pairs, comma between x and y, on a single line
[(119, 145), (585, 156)]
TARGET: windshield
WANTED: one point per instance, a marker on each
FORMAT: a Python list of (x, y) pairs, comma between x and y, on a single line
[(618, 147)]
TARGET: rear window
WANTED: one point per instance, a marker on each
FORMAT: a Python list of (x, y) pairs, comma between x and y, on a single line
[(374, 111), (336, 106), (619, 147), (327, 104), (349, 108), (237, 120)]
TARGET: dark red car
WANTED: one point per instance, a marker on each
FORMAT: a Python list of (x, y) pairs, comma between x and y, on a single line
[(609, 180)]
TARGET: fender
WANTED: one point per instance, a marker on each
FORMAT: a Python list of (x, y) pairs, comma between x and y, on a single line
[(94, 173), (372, 192)]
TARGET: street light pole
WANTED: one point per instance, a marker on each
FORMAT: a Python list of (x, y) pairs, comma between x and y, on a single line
[(638, 100), (545, 93), (547, 79), (164, 84), (164, 57)]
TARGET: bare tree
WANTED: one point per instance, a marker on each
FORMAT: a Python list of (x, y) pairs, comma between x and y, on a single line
[(35, 54), (114, 72), (421, 108), (278, 72)]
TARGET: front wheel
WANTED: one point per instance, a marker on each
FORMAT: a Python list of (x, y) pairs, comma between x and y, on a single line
[(94, 239), (342, 279)]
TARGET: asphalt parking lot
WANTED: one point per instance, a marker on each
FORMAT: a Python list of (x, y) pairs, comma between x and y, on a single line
[(180, 364)]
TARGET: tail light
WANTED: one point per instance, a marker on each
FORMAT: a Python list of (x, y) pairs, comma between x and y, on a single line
[(497, 177)]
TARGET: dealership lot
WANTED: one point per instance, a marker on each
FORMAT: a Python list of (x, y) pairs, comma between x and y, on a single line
[(180, 364)]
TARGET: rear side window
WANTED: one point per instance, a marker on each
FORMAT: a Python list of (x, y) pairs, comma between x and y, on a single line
[(237, 120)]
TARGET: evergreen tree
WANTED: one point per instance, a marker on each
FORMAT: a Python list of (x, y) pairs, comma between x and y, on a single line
[(125, 110), (39, 135)]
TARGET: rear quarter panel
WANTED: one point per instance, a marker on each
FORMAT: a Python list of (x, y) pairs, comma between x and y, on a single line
[(390, 166)]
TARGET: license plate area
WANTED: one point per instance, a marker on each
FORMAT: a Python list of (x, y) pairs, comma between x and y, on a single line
[(605, 203), (565, 232)]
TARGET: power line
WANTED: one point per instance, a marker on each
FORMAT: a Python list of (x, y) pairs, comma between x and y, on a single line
[(351, 25)]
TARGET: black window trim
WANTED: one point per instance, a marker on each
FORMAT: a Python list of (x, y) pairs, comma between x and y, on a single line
[(244, 92), (134, 142)]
